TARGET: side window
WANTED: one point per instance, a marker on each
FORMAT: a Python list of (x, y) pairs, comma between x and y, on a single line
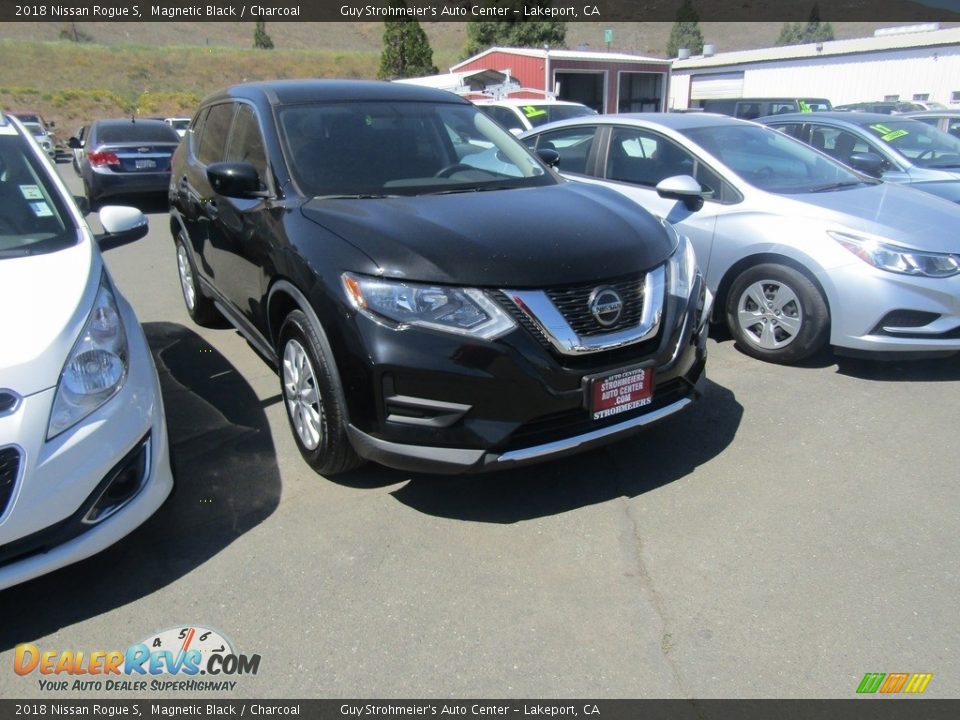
[(644, 158), (794, 130), (504, 116), (842, 144), (573, 144), (196, 130), (954, 128), (246, 142), (776, 108), (214, 135), (748, 110)]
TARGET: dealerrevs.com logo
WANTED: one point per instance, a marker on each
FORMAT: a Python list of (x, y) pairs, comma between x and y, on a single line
[(171, 660)]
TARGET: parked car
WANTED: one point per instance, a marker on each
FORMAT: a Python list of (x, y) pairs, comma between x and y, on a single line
[(929, 105), (750, 108), (518, 116), (180, 124), (125, 157), (945, 120), (896, 149), (883, 108), (798, 249), (43, 138), (424, 312), (83, 443)]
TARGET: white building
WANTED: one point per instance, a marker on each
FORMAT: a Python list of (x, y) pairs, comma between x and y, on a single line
[(915, 63)]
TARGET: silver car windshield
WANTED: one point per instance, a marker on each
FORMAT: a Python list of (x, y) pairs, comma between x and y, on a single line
[(33, 217), (375, 149), (771, 161), (920, 143)]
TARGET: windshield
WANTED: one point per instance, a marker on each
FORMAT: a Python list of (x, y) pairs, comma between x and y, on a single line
[(32, 215), (771, 161), (539, 115), (920, 143), (148, 131), (402, 148)]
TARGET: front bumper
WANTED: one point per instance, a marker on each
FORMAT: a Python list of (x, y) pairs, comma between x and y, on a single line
[(428, 402), (42, 528)]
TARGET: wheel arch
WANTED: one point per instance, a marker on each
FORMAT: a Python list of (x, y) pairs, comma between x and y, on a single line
[(723, 287)]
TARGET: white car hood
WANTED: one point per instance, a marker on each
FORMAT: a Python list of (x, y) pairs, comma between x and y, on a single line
[(44, 301)]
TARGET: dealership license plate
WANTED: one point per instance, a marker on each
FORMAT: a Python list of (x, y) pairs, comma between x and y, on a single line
[(620, 392), (146, 164)]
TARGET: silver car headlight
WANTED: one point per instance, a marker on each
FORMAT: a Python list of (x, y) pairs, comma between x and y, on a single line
[(898, 259), (463, 311), (683, 269), (96, 367)]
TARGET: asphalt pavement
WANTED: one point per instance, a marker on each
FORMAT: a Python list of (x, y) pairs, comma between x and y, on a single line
[(794, 530)]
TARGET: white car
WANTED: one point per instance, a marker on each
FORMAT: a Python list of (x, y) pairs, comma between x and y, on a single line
[(43, 138), (520, 115), (83, 443), (180, 124)]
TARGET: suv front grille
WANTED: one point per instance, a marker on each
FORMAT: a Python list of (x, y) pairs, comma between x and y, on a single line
[(574, 303), (9, 470)]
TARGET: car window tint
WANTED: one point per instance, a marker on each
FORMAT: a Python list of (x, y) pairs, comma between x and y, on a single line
[(32, 214), (504, 116), (214, 136), (924, 145), (954, 128), (642, 157), (792, 129), (840, 144), (246, 141), (573, 145), (143, 131)]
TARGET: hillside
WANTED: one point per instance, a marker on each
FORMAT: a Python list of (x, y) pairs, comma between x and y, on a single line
[(166, 68)]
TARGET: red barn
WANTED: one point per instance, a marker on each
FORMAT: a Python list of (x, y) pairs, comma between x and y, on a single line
[(607, 82)]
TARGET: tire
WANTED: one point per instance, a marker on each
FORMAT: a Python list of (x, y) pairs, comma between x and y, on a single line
[(200, 308), (777, 314), (313, 398)]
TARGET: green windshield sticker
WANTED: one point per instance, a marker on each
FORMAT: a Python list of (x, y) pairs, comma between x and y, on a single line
[(888, 134), (532, 111), (805, 107)]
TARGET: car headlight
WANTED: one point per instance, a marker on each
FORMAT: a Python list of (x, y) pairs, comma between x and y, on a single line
[(897, 259), (683, 269), (464, 311), (96, 367)]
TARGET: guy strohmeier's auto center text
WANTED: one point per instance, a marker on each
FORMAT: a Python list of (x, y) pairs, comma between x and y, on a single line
[(99, 11)]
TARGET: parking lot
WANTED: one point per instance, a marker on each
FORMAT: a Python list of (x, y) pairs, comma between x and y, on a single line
[(794, 530)]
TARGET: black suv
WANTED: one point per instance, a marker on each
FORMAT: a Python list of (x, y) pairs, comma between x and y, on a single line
[(434, 296)]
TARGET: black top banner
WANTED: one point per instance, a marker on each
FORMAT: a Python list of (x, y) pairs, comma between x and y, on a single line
[(907, 11)]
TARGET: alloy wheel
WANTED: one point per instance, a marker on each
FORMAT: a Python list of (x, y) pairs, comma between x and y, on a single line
[(302, 395)]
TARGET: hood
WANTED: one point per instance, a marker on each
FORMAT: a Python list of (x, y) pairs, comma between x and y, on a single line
[(900, 213), (45, 299), (535, 237)]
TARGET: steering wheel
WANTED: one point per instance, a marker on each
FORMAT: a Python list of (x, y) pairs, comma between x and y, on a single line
[(763, 173), (449, 170), (929, 152)]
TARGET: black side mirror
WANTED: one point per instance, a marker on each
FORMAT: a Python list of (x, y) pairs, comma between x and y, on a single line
[(74, 143), (549, 156), (235, 179), (683, 188), (868, 163)]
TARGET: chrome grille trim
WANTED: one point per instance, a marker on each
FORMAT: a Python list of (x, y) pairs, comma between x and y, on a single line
[(537, 306)]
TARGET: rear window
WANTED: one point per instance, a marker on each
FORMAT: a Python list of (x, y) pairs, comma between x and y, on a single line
[(137, 132)]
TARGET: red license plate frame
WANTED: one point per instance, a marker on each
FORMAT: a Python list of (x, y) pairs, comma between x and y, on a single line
[(618, 392)]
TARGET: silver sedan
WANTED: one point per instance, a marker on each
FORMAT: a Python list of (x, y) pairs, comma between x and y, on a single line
[(799, 249)]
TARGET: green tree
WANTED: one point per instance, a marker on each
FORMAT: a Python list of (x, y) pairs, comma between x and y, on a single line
[(261, 40), (809, 32), (686, 31), (515, 31), (406, 50)]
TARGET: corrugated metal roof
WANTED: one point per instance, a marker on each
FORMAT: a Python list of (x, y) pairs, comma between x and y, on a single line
[(565, 55), (932, 38)]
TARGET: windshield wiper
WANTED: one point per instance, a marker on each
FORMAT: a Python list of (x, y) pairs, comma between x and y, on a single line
[(476, 188), (353, 196), (835, 186)]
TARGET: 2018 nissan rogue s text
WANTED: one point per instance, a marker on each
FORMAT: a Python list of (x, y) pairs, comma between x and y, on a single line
[(434, 296)]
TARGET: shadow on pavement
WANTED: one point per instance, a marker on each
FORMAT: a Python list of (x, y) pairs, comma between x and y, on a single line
[(227, 483), (945, 369), (656, 456)]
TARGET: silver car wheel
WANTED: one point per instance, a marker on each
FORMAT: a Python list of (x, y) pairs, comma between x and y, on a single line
[(769, 314), (186, 277), (302, 395)]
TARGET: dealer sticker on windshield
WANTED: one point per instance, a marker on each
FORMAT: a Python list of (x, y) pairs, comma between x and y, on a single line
[(619, 393)]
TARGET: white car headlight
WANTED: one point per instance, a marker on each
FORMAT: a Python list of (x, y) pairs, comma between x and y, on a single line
[(464, 311), (96, 367), (898, 259), (683, 269)]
